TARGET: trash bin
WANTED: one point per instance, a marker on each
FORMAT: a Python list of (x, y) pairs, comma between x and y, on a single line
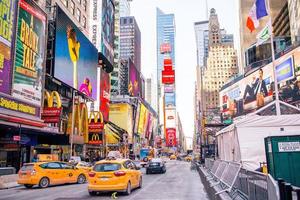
[(283, 158)]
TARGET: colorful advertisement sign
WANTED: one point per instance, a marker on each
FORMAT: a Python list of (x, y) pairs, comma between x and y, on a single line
[(165, 48), (122, 115), (256, 89), (95, 138), (29, 53), (169, 88), (170, 118), (137, 118), (6, 36), (285, 70), (134, 80), (108, 24), (170, 99), (104, 94), (142, 120), (76, 58), (171, 137), (149, 126)]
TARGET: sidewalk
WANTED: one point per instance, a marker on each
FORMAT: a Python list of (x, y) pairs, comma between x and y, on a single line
[(8, 181)]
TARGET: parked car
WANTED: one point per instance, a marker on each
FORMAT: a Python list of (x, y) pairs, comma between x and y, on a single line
[(188, 158), (114, 175), (156, 165), (44, 174)]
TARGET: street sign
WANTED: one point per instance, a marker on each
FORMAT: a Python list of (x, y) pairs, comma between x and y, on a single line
[(17, 138)]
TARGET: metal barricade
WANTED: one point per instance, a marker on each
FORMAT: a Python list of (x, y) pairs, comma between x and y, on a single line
[(273, 189), (252, 184)]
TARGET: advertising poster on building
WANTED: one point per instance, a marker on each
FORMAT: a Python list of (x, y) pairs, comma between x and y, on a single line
[(104, 94), (171, 137), (76, 58), (121, 115), (285, 70), (149, 126), (169, 88), (142, 120), (170, 118), (134, 80), (170, 99), (29, 53), (108, 24), (6, 37), (137, 118)]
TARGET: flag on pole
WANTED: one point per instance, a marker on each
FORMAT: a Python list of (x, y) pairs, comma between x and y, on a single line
[(258, 10), (264, 34)]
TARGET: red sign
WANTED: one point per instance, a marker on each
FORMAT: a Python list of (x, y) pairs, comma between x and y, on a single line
[(95, 127), (51, 115), (95, 138), (168, 74), (17, 138), (171, 137), (168, 65), (165, 48), (104, 94)]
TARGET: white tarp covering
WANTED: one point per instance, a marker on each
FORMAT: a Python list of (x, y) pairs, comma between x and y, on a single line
[(243, 141)]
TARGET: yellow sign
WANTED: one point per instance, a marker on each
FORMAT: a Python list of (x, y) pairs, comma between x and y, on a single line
[(143, 116), (13, 105), (49, 98), (96, 115), (81, 122), (121, 114)]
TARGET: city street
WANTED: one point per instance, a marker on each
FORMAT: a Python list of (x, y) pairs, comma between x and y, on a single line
[(179, 183)]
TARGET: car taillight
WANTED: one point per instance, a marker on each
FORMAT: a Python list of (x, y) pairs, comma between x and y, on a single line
[(120, 173), (92, 174), (33, 172)]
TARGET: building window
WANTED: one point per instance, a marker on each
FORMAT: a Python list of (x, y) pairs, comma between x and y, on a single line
[(65, 2), (78, 14), (72, 7), (84, 21), (84, 5)]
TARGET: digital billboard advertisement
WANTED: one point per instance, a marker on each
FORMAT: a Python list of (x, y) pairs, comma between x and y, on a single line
[(170, 100), (257, 89), (6, 37), (171, 137), (170, 118), (76, 58), (108, 24), (149, 126), (169, 88), (30, 53), (142, 120), (134, 80), (104, 94)]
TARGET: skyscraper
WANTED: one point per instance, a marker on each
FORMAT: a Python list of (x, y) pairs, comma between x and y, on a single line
[(200, 28), (148, 90), (130, 41), (122, 9), (165, 32)]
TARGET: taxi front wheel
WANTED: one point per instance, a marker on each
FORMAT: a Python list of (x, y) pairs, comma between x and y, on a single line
[(44, 182), (81, 179)]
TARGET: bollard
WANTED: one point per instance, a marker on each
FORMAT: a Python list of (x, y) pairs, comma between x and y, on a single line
[(281, 189), (288, 191)]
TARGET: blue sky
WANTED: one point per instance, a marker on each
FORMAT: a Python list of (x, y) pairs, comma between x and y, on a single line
[(186, 13)]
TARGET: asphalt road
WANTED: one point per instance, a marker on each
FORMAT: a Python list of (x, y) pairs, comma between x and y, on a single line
[(179, 183)]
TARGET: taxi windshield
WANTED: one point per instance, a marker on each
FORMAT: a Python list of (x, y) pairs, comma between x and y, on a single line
[(107, 167)]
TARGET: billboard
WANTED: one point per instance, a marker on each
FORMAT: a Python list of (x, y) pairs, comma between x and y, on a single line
[(171, 137), (134, 88), (170, 118), (121, 114), (257, 89), (104, 94), (169, 88), (108, 24), (76, 58), (142, 120), (30, 52), (165, 48), (137, 118), (170, 100), (6, 37)]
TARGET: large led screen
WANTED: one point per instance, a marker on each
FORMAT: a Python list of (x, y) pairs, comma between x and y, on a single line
[(134, 80), (76, 58)]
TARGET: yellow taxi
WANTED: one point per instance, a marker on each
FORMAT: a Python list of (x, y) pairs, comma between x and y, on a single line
[(44, 174), (173, 157), (84, 166), (188, 158), (117, 175)]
